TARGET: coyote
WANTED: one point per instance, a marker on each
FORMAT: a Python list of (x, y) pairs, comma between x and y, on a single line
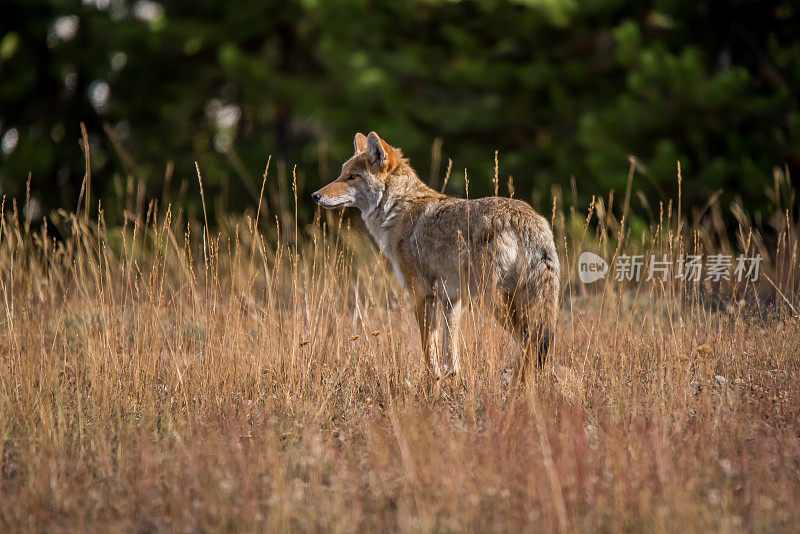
[(444, 248)]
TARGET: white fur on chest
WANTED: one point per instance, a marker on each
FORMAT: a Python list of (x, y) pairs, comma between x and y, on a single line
[(380, 234)]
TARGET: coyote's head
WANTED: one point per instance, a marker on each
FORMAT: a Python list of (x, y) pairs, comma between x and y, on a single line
[(363, 178)]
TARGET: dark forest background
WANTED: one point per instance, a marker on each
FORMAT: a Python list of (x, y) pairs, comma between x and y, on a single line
[(565, 90)]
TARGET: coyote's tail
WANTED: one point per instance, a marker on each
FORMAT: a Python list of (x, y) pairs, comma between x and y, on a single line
[(547, 281)]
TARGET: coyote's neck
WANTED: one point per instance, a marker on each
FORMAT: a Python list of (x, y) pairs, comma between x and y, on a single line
[(404, 195)]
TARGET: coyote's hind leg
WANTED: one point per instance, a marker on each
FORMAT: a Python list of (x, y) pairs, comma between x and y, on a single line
[(528, 324)]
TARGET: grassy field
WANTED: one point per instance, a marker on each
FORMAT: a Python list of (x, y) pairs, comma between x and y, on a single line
[(261, 376)]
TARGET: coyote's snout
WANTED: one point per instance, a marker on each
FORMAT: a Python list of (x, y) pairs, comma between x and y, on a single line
[(440, 246)]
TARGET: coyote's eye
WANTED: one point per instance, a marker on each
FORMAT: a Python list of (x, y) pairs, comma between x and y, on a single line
[(352, 177)]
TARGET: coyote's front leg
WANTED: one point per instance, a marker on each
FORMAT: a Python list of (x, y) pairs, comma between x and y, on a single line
[(449, 363), (425, 310)]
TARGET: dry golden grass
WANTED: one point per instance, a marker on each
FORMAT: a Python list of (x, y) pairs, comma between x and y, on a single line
[(158, 376)]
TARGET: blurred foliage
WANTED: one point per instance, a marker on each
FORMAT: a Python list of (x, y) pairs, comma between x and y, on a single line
[(564, 89)]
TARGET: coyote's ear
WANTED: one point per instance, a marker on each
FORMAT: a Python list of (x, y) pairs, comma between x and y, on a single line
[(376, 154), (360, 142)]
